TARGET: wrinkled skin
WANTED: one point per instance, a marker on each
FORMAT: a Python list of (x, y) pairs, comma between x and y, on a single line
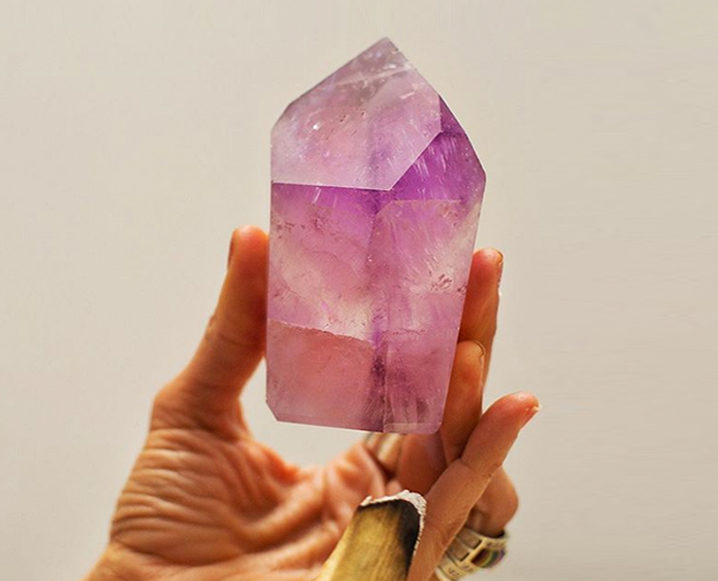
[(206, 501)]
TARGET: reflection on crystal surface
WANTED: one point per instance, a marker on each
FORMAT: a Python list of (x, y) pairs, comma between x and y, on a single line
[(376, 193)]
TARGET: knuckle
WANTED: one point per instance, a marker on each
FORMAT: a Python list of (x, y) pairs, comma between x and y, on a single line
[(160, 411), (499, 504), (443, 533), (512, 501), (234, 335), (164, 407), (511, 505), (159, 401), (506, 507), (492, 468)]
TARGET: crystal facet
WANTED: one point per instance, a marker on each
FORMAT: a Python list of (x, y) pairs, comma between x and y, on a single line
[(376, 193)]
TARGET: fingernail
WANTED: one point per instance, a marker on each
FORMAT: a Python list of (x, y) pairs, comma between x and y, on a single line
[(500, 267), (231, 249), (482, 350), (530, 414)]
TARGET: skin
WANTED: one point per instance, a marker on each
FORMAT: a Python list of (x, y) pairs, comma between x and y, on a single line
[(206, 501)]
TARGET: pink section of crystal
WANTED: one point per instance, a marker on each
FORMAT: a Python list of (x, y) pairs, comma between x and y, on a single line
[(374, 215), (309, 363)]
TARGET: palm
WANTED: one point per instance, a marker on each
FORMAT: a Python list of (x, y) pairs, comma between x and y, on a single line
[(207, 501), (195, 501)]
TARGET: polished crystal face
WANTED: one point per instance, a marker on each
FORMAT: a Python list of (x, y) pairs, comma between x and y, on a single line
[(376, 193)]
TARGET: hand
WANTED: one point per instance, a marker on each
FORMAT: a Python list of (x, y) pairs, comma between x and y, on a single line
[(206, 501)]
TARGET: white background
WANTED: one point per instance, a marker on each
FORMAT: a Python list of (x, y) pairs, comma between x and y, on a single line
[(134, 137)]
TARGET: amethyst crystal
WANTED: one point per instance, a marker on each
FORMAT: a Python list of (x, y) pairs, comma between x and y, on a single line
[(376, 193)]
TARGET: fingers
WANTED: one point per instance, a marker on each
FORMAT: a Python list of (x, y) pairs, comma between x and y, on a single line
[(466, 478), (463, 402), (233, 343), (478, 322), (424, 456), (478, 326)]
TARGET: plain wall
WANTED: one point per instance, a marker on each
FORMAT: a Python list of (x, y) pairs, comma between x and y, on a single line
[(134, 136)]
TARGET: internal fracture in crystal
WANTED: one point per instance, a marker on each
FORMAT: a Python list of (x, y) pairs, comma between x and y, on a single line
[(376, 194)]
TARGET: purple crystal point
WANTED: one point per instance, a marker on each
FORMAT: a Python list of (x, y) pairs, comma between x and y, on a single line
[(376, 193)]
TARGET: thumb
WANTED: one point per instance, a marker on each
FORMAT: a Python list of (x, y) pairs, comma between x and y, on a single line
[(233, 341)]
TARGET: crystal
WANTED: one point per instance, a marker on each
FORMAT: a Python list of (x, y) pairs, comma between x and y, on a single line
[(376, 193)]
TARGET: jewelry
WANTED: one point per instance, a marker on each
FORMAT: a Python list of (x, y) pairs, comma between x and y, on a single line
[(469, 552)]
